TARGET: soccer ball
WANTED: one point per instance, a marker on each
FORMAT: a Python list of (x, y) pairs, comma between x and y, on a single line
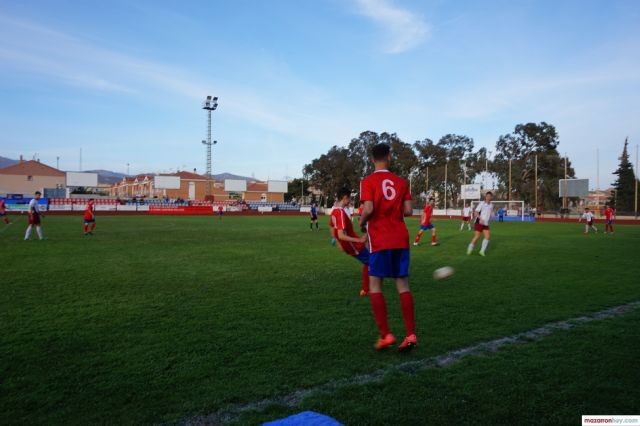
[(443, 273)]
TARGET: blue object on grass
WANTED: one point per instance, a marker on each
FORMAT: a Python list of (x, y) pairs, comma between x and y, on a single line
[(306, 418)]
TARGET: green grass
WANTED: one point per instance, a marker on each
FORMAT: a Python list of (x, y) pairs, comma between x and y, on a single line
[(156, 319)]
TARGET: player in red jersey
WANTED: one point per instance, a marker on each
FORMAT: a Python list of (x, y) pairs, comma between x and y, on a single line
[(609, 215), (348, 241), (387, 201), (89, 217), (425, 224), (220, 212), (3, 212)]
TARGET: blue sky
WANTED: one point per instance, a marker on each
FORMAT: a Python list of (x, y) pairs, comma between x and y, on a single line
[(124, 80)]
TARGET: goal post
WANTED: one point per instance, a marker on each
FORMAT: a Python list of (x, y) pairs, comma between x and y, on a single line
[(511, 210)]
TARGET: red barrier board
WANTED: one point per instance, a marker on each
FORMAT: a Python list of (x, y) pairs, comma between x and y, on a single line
[(177, 210)]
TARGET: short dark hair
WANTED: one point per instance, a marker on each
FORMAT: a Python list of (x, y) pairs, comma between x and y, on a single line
[(432, 199), (91, 199), (488, 193), (380, 151), (343, 192), (38, 193)]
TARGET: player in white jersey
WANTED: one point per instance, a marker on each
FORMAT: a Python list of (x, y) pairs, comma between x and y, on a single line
[(466, 217), (588, 217), (482, 215), (34, 217)]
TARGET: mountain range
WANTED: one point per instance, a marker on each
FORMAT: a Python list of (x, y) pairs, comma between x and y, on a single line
[(109, 177)]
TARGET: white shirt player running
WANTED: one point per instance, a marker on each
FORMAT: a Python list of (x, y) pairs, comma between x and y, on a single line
[(588, 217), (466, 212), (486, 211), (34, 207)]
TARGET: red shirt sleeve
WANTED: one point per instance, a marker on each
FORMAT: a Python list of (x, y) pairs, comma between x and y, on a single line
[(366, 190)]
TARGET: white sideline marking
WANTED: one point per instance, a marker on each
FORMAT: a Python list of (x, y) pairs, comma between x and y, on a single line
[(293, 399)]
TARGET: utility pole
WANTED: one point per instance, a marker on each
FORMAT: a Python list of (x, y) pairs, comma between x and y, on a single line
[(536, 183), (210, 104), (636, 176), (445, 187), (564, 198), (426, 189), (598, 179), (509, 195)]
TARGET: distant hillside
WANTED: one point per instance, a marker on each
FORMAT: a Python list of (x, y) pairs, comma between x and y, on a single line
[(223, 176), (106, 176), (109, 177), (6, 162)]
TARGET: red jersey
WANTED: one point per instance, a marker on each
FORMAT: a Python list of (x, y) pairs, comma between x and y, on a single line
[(2, 207), (608, 213), (88, 211), (386, 227), (340, 221), (428, 212)]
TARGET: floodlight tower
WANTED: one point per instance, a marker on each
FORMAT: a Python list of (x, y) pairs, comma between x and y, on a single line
[(210, 104)]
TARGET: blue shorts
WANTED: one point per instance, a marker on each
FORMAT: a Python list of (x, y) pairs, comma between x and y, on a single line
[(89, 220), (392, 263), (610, 222), (363, 256), (426, 227)]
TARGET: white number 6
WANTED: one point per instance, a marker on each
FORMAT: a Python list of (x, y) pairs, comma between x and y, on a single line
[(388, 190)]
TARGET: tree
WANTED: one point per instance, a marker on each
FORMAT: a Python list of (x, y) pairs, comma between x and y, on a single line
[(521, 148), (624, 186), (297, 188), (331, 171), (403, 158), (345, 167), (462, 165)]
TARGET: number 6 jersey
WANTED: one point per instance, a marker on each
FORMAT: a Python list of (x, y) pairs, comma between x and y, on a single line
[(386, 227)]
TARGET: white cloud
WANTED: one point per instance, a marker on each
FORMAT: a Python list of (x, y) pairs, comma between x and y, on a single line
[(61, 57), (405, 30)]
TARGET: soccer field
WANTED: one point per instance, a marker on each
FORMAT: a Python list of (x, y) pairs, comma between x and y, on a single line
[(165, 319)]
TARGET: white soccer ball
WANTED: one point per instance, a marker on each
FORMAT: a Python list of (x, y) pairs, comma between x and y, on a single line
[(443, 273)]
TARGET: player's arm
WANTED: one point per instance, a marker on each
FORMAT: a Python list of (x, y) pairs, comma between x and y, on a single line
[(476, 214), (367, 212), (344, 237), (408, 208)]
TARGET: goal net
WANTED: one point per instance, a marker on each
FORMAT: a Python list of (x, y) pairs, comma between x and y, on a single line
[(508, 210)]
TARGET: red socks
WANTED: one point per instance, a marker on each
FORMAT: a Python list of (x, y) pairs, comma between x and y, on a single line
[(86, 228), (365, 278), (93, 226), (406, 304), (379, 308), (434, 239), (417, 240)]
